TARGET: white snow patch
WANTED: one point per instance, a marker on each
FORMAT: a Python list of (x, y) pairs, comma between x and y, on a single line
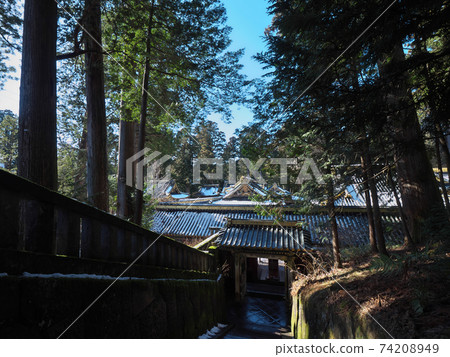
[(214, 332), (180, 195), (77, 276), (236, 203), (164, 279), (210, 191), (99, 277)]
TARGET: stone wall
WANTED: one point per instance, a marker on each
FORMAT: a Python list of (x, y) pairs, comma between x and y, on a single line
[(314, 317), (32, 307)]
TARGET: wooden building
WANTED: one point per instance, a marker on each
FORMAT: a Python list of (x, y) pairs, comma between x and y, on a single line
[(229, 222)]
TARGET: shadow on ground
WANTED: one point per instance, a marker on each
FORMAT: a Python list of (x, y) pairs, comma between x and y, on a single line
[(259, 317)]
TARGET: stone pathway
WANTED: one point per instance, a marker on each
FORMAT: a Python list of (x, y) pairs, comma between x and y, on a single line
[(259, 317)]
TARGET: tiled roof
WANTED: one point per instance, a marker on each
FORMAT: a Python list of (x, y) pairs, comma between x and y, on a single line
[(264, 235), (353, 194), (352, 227), (245, 187)]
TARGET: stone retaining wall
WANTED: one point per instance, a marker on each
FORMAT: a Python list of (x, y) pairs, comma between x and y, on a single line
[(39, 307), (313, 317)]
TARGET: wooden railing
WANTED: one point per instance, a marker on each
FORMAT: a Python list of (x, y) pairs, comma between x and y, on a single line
[(35, 219)]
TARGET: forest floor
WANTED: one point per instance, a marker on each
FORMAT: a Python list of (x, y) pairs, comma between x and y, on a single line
[(408, 293)]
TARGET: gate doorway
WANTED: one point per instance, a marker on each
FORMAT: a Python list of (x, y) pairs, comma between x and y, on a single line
[(261, 308), (269, 275), (265, 269), (266, 277)]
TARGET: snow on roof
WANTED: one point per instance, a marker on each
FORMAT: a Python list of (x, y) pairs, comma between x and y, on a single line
[(180, 195), (237, 203), (209, 191)]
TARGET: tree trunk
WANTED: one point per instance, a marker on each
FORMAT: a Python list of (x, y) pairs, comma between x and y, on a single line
[(438, 115), (418, 185), (143, 116), (97, 172), (37, 159), (409, 243), (126, 150), (365, 148), (80, 177), (372, 234), (37, 110), (332, 216), (444, 145), (376, 206), (441, 174)]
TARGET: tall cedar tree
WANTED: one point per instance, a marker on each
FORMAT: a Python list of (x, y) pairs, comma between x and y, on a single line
[(37, 122), (179, 56), (143, 113), (97, 179), (306, 36), (37, 119)]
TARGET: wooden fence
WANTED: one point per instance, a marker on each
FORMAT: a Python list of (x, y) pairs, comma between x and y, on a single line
[(36, 219)]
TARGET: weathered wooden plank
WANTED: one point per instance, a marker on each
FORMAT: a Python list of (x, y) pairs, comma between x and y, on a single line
[(153, 256), (9, 219), (67, 239), (105, 241), (128, 246), (184, 259), (139, 248), (161, 253), (91, 239), (148, 257), (168, 261), (194, 262), (37, 219), (173, 256), (18, 186), (142, 246), (180, 264), (134, 247), (118, 243), (188, 261), (36, 227)]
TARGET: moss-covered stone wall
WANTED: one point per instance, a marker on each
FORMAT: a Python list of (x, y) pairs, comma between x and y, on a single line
[(32, 307), (314, 317)]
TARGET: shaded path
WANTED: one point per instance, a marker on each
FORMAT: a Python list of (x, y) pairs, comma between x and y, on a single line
[(259, 317)]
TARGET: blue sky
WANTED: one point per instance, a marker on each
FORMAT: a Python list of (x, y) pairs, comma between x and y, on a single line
[(9, 96), (248, 18)]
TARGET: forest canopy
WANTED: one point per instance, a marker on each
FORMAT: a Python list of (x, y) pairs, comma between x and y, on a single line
[(357, 88)]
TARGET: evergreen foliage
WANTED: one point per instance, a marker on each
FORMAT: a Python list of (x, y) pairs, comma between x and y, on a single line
[(10, 23)]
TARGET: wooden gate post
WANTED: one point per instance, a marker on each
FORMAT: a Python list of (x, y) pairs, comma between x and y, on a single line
[(240, 276), (289, 277)]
